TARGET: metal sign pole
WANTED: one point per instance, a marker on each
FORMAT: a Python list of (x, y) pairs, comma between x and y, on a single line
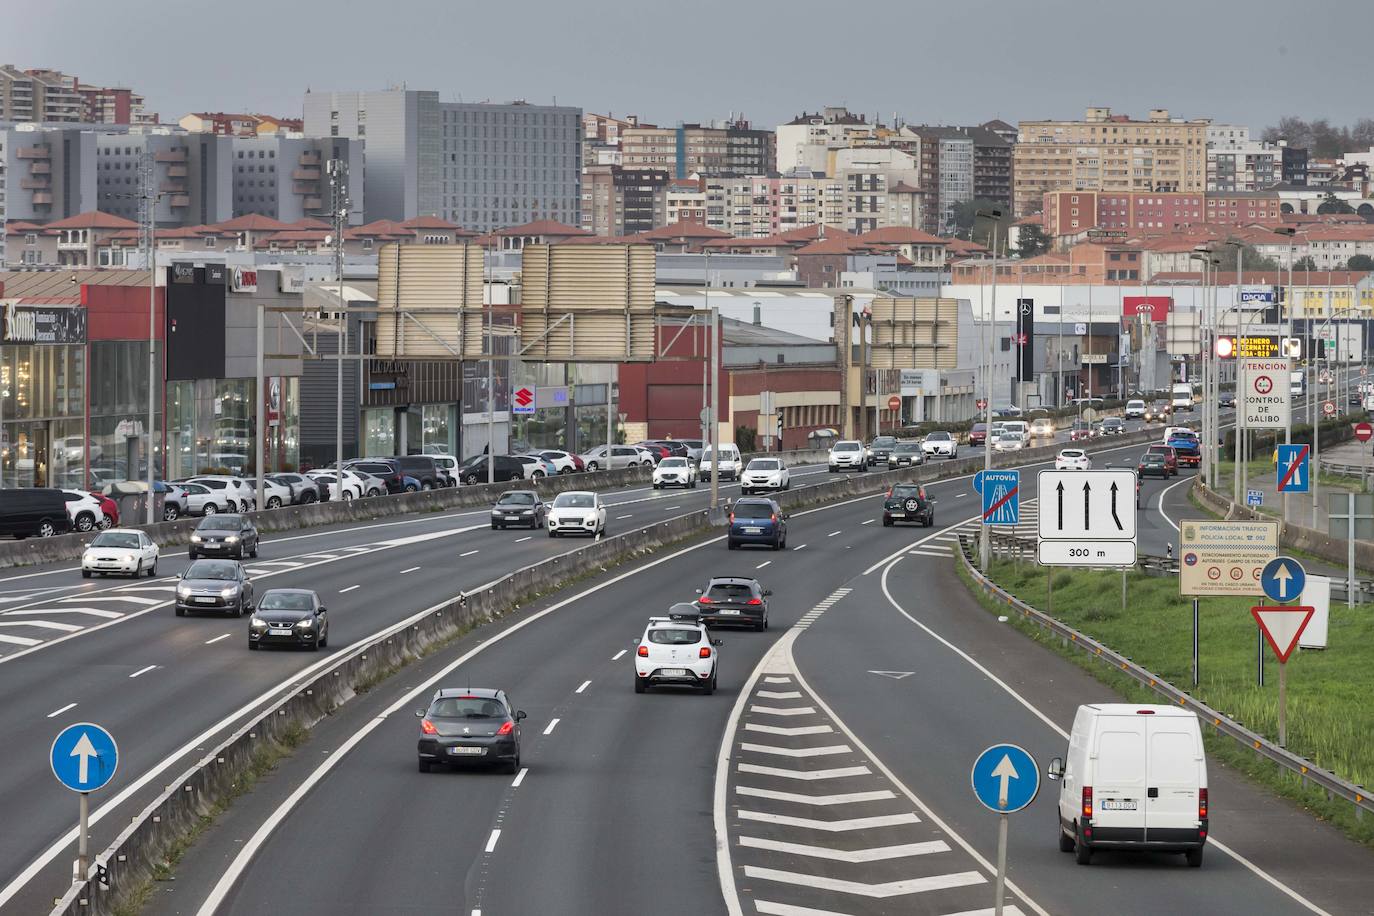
[(1123, 589), (1259, 653), (1196, 666), (1283, 704), (1001, 863), (1350, 550), (83, 829)]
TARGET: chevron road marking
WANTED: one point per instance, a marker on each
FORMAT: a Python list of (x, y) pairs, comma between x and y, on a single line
[(784, 730), (844, 798), (836, 773), (875, 891), (778, 711), (840, 826), (876, 854), (798, 751)]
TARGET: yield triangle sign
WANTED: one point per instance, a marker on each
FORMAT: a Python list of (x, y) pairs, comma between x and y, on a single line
[(1282, 626)]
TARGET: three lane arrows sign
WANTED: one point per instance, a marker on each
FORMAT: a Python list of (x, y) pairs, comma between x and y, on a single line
[(1091, 521)]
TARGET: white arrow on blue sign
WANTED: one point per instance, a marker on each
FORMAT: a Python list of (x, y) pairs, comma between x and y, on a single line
[(1005, 778), (1283, 580), (84, 757)]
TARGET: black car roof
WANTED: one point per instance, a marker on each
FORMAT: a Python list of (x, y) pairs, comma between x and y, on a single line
[(484, 692)]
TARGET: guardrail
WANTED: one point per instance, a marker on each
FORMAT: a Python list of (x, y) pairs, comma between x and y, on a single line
[(1304, 769), (1010, 546), (1359, 471)]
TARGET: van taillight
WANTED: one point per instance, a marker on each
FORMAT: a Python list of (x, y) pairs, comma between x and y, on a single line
[(643, 651), (1144, 712), (1087, 802), (1202, 804)]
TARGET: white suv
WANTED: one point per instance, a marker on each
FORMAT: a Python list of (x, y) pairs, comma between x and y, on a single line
[(677, 650), (765, 474), (848, 455), (84, 510), (577, 512), (675, 472)]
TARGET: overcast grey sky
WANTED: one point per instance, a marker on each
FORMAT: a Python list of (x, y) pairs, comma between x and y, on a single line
[(956, 61)]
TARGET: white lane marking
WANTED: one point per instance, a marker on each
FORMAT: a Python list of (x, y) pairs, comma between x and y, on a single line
[(149, 588), (623, 517), (616, 657), (290, 563), (802, 547), (779, 694), (875, 854), (94, 612), (467, 554), (842, 798), (143, 670), (43, 625), (19, 640), (553, 723), (783, 730), (319, 556), (218, 638), (670, 508), (858, 888), (960, 495), (585, 685), (843, 825), (132, 599), (411, 570), (349, 589), (1160, 507), (58, 712), (777, 680), (781, 711), (763, 564), (519, 777), (989, 911), (832, 534), (523, 539), (797, 752), (768, 908), (806, 775), (491, 840), (929, 553), (869, 522)]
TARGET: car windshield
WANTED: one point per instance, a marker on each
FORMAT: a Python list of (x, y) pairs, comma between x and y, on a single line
[(287, 601), (906, 447), (940, 436), (212, 569), (220, 523), (516, 499), (979, 427), (764, 464), (729, 591), (1152, 458), (575, 501), (1071, 453), (884, 442), (753, 510), (846, 446), (674, 636), (906, 492), (1011, 435), (467, 708), (676, 463), (115, 539)]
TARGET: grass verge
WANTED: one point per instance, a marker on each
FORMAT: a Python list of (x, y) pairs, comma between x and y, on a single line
[(1327, 719)]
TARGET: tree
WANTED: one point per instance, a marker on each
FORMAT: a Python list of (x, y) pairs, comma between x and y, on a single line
[(1360, 262), (1031, 240), (1306, 262), (1333, 204), (1252, 260)]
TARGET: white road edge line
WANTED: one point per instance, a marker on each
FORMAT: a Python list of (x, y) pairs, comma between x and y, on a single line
[(585, 685), (491, 840), (1255, 869), (1162, 493), (519, 777), (58, 712), (553, 723), (143, 670), (218, 638)]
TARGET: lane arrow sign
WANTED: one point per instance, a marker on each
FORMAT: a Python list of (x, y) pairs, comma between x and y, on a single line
[(84, 751), (1116, 518), (1060, 489), (1004, 772), (1284, 577)]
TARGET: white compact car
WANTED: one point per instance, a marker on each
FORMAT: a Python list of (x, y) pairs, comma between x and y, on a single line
[(120, 551), (354, 486), (847, 455), (274, 495), (232, 494), (84, 510), (563, 462), (1072, 459), (677, 650), (731, 464), (1010, 441), (1042, 428), (764, 474), (577, 512), (675, 472), (940, 444)]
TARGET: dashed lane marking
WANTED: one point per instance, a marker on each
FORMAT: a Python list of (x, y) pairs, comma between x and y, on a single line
[(616, 657), (585, 685), (553, 723), (57, 712), (143, 671), (349, 589), (218, 638)]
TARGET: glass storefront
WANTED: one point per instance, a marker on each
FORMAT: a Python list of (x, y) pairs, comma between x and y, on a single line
[(379, 432), (42, 415), (211, 424), (119, 411), (439, 429)]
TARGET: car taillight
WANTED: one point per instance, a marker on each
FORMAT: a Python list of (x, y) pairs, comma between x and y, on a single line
[(754, 601), (773, 517), (506, 728), (1202, 804), (732, 518), (643, 651), (1087, 801), (428, 728), (704, 599), (705, 652)]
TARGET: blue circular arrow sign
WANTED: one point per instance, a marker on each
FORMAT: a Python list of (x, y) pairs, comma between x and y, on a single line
[(84, 757), (1283, 580), (1005, 778)]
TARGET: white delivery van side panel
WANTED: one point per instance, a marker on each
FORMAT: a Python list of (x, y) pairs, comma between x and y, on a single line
[(1118, 770), (1177, 774)]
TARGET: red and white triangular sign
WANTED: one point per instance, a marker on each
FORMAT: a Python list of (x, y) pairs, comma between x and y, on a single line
[(1282, 626)]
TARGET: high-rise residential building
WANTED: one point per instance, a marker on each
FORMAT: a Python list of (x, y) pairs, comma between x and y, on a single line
[(685, 199), (808, 141), (48, 172), (4, 170), (764, 206), (286, 178), (869, 173), (190, 173), (1244, 167), (1107, 152), (730, 149), (618, 201), (946, 173), (476, 164), (992, 164), (53, 97)]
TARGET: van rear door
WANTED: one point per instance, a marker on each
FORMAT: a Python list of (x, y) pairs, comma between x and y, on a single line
[(1175, 773), (1119, 779)]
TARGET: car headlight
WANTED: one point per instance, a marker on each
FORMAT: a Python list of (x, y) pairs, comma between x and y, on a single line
[(195, 539), (183, 591), (495, 511), (258, 622), (228, 592), (526, 511), (232, 539), (306, 624)]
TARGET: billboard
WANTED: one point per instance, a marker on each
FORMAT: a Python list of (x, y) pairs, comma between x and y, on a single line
[(429, 301), (915, 333), (1155, 307), (588, 303)]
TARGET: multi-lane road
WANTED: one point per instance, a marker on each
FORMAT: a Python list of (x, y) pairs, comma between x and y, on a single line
[(621, 795)]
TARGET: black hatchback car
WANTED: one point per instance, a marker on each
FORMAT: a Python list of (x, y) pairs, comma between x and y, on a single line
[(222, 586), (224, 535), (474, 470), (471, 725), (733, 601), (289, 617), (518, 507), (908, 502), (33, 512)]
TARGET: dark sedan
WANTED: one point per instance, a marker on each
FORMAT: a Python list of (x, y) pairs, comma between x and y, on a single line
[(908, 503), (905, 455), (1113, 426), (1152, 464), (757, 521), (880, 449), (733, 601), (289, 617), (224, 535), (470, 726), (518, 507), (221, 586)]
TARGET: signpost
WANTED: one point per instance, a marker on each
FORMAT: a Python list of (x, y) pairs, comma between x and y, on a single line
[(1283, 579), (1328, 408), (1001, 492), (84, 758), (1005, 780), (1281, 627), (1294, 468), (1350, 516), (1087, 518), (1363, 431), (1222, 558), (894, 403), (1265, 399)]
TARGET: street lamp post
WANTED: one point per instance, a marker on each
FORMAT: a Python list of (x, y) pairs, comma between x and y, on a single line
[(985, 542), (1289, 231)]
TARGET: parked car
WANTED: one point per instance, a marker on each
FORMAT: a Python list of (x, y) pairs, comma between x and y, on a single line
[(237, 494), (83, 509), (376, 486), (656, 450), (535, 467), (126, 551), (110, 509), (621, 456), (422, 468), (33, 512), (694, 447), (518, 507), (757, 520), (201, 499), (675, 447), (504, 467), (563, 462), (354, 487), (303, 490), (387, 470), (447, 466)]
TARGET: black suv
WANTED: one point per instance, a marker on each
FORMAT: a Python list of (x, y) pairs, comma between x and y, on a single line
[(880, 448), (33, 512), (734, 601), (388, 470), (474, 470), (908, 502), (422, 469)]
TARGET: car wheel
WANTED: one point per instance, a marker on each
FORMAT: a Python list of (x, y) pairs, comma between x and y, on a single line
[(181, 612), (1082, 853), (552, 533), (494, 526), (85, 573), (639, 684), (656, 486), (710, 686), (513, 766), (730, 544), (348, 495), (209, 509), (537, 475), (777, 544), (46, 529), (233, 507), (424, 766), (593, 466), (152, 570), (170, 513), (254, 552), (324, 639), (1194, 857), (85, 521), (1065, 841), (761, 625), (315, 644), (192, 555), (426, 486), (274, 502)]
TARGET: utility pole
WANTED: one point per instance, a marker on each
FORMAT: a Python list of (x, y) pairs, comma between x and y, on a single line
[(491, 380), (860, 321), (985, 541), (715, 421), (148, 230), (338, 211)]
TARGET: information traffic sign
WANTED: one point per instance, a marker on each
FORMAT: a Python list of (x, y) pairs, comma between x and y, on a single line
[(1001, 491), (1225, 557)]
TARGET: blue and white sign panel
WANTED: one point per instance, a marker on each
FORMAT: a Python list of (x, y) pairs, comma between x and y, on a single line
[(1254, 498), (1257, 295), (84, 757), (1283, 580), (1005, 778), (1294, 465), (1001, 493)]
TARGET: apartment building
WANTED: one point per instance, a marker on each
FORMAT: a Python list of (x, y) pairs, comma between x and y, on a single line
[(50, 96), (685, 201), (49, 172), (1108, 152), (286, 178), (238, 125), (1068, 213), (478, 164), (190, 174), (620, 201), (730, 149), (806, 142), (946, 172), (870, 173)]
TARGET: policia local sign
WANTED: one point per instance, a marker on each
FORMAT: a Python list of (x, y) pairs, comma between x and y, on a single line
[(1265, 399)]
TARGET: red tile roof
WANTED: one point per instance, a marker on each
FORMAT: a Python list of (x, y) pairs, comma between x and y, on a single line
[(674, 231), (548, 227), (379, 227), (93, 219), (902, 235), (843, 245), (603, 240), (252, 222), (308, 223), (434, 222), (813, 232), (19, 227)]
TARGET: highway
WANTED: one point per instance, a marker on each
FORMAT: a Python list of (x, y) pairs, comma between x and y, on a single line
[(617, 804)]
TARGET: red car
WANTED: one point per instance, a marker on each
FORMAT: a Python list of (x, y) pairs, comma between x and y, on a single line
[(109, 507), (978, 434), (1170, 457), (1081, 429)]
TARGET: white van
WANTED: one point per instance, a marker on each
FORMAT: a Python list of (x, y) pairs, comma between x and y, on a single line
[(1017, 426), (1182, 397), (731, 465), (1136, 778)]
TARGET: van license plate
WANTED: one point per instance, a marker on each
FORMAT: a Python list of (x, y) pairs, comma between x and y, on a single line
[(1118, 804)]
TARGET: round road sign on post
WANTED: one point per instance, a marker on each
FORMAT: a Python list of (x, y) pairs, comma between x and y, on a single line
[(1283, 579), (1363, 431), (894, 403), (1005, 778), (84, 757), (982, 403), (1329, 408)]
